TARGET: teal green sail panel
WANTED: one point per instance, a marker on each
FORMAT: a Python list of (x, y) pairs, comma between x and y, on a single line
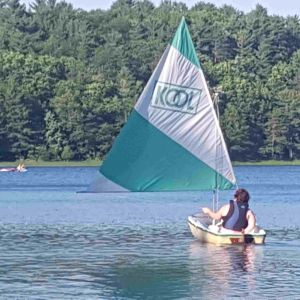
[(172, 141), (183, 43)]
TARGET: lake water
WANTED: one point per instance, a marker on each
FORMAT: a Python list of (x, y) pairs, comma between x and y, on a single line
[(58, 244)]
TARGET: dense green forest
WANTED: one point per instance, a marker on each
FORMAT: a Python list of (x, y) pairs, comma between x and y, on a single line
[(69, 78)]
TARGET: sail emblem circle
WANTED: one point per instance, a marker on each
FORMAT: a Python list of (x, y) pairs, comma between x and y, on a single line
[(177, 97)]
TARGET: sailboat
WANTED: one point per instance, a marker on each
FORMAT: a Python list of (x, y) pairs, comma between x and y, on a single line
[(172, 140)]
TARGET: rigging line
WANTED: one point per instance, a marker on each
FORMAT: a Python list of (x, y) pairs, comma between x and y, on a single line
[(216, 195)]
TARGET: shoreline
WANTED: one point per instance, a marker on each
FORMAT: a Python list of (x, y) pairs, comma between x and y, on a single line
[(267, 163), (96, 163)]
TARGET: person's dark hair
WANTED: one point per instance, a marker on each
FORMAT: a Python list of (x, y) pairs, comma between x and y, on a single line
[(242, 195)]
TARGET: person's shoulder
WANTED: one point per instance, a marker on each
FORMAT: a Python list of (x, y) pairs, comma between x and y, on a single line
[(225, 209), (250, 213)]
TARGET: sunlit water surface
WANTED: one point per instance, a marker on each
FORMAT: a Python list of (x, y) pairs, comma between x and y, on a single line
[(58, 244)]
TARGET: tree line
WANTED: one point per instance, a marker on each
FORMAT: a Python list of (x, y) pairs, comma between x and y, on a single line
[(69, 78)]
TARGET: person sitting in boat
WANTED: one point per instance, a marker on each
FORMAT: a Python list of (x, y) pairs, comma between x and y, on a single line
[(20, 167), (236, 215)]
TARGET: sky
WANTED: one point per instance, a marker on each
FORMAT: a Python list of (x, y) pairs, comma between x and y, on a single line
[(277, 7)]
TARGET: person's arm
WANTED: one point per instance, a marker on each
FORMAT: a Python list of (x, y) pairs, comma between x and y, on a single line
[(251, 222), (216, 215)]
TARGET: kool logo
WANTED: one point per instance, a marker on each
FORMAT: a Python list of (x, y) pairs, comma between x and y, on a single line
[(174, 97)]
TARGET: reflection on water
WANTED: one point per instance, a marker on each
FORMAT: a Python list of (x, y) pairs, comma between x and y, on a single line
[(225, 268)]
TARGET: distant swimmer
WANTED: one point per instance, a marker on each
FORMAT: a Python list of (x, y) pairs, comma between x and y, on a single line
[(21, 168)]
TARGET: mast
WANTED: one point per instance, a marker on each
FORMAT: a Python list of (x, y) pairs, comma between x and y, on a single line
[(216, 187)]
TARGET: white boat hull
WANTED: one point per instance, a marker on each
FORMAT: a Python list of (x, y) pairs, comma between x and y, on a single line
[(8, 169), (206, 233), (12, 170)]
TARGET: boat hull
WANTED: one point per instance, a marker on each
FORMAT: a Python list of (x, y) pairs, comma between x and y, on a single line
[(13, 170), (210, 234), (8, 170)]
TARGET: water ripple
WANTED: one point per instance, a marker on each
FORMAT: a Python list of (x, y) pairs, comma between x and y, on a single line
[(56, 244), (124, 262)]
